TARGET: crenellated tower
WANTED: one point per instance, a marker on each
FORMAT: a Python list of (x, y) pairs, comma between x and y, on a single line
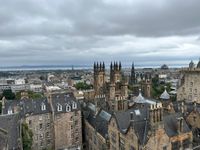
[(115, 72), (99, 77)]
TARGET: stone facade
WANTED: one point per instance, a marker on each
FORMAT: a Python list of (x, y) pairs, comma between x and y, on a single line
[(55, 123), (115, 89), (42, 126), (68, 130), (189, 89)]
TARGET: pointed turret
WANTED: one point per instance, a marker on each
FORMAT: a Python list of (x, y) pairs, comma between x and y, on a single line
[(120, 66), (111, 66), (94, 66), (103, 66)]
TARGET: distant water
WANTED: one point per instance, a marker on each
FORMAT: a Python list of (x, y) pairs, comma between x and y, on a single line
[(75, 67), (35, 68)]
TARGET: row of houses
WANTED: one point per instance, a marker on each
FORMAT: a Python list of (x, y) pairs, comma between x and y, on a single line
[(54, 121)]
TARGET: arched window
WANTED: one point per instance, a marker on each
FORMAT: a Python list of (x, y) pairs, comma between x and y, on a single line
[(59, 107), (74, 105), (68, 108)]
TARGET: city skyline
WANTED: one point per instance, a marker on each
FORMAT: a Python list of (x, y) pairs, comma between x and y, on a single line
[(81, 32)]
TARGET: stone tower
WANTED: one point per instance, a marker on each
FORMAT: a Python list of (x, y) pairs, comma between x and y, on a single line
[(115, 72), (146, 87), (99, 77)]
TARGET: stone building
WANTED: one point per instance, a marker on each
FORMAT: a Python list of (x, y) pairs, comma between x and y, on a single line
[(96, 127), (116, 90), (55, 122), (37, 115), (148, 128), (189, 89), (67, 121)]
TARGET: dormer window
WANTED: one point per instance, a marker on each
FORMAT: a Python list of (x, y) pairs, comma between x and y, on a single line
[(10, 111), (59, 107), (43, 107), (68, 108), (74, 105)]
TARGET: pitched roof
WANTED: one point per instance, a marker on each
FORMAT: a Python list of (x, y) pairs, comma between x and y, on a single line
[(64, 100), (99, 121), (171, 127), (140, 122), (27, 106), (11, 125)]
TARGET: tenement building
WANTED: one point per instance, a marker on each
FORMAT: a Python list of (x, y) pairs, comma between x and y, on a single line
[(189, 89), (55, 122)]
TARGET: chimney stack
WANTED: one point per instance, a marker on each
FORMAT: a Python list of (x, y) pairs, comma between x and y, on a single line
[(180, 124)]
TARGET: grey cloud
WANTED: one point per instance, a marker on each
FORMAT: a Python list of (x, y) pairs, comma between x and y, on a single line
[(82, 31)]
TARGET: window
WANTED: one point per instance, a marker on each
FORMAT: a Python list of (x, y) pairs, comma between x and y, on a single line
[(47, 134), (40, 126), (194, 118), (121, 144), (186, 143), (48, 125), (175, 145), (10, 111), (164, 147), (59, 107), (30, 122), (68, 108), (74, 105), (43, 107), (41, 136), (113, 137)]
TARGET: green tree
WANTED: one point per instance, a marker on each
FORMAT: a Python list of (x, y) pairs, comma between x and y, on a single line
[(27, 137), (157, 88), (83, 86), (8, 94)]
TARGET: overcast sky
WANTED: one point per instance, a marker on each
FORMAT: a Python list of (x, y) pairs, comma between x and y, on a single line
[(61, 32)]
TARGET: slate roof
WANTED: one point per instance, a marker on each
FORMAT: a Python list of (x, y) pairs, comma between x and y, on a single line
[(3, 138), (27, 106), (189, 107), (140, 123), (170, 125), (64, 100), (11, 125), (99, 121)]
